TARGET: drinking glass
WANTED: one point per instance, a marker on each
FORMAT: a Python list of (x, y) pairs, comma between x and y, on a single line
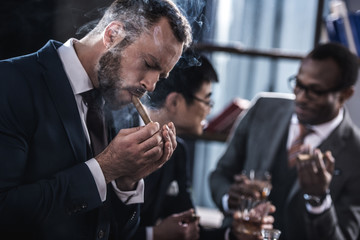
[(270, 234), (250, 219), (259, 180), (252, 210)]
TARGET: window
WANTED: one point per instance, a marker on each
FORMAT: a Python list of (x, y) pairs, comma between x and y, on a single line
[(256, 24)]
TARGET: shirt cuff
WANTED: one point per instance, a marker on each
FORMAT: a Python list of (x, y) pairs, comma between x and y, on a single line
[(149, 233), (225, 205), (130, 197), (227, 234), (326, 204), (98, 176)]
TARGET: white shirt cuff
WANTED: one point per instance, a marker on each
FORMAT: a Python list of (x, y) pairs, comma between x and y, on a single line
[(98, 176), (130, 197), (149, 233), (225, 205), (326, 204), (227, 234)]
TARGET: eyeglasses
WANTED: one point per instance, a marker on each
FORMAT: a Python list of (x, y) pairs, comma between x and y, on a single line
[(297, 86), (209, 103)]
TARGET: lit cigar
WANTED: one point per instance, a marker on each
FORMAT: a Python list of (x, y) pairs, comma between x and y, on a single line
[(141, 109)]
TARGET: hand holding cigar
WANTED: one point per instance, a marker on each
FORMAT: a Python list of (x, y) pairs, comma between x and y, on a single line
[(194, 218), (191, 219), (141, 109)]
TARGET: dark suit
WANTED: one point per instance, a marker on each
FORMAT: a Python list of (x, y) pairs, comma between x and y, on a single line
[(259, 142), (46, 189), (159, 203)]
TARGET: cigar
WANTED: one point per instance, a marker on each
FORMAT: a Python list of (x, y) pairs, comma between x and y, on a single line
[(194, 217), (305, 156), (191, 219), (141, 109)]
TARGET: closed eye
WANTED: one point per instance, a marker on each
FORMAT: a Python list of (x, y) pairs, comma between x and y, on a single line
[(153, 66), (147, 65)]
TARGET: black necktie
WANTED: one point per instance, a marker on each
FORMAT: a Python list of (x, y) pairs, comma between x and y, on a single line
[(95, 120)]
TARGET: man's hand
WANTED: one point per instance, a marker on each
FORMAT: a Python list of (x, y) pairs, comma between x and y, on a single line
[(136, 152), (178, 226), (315, 173), (249, 227), (242, 187)]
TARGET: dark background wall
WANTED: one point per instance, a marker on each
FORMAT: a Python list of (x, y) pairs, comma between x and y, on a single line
[(26, 25)]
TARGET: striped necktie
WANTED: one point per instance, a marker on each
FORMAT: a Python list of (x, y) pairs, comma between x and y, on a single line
[(95, 121), (295, 148)]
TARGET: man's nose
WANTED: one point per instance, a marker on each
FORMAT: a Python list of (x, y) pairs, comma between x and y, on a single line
[(149, 82), (301, 94)]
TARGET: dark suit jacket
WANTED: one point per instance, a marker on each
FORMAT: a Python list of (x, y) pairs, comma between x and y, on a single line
[(159, 203), (255, 144), (46, 189)]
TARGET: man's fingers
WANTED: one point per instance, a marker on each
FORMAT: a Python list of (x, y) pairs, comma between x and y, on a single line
[(145, 132), (127, 131), (185, 216), (166, 154), (172, 127), (240, 178), (268, 219), (330, 162), (172, 134), (153, 141)]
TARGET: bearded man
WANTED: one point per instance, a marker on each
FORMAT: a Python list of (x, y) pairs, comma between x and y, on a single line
[(62, 176)]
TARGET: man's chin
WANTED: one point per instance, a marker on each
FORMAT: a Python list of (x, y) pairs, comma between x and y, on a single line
[(306, 119), (303, 115)]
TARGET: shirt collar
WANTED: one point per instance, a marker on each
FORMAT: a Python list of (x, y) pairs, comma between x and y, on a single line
[(79, 79), (323, 130)]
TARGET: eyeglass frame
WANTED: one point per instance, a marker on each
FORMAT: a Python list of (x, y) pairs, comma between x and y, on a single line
[(209, 103), (294, 83)]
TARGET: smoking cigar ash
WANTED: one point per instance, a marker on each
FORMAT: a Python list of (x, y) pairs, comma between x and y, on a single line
[(141, 109)]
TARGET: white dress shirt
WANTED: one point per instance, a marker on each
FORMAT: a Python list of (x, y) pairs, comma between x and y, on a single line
[(80, 82), (314, 139)]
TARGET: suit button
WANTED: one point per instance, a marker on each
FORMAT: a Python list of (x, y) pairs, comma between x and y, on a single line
[(84, 206), (101, 234)]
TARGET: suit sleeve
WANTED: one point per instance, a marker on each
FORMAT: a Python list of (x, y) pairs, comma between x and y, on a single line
[(232, 160), (342, 220)]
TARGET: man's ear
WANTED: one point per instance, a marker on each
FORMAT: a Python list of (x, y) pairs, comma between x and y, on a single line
[(113, 33), (172, 101), (346, 94)]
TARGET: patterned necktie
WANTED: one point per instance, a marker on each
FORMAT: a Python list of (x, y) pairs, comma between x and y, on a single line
[(295, 148), (95, 120)]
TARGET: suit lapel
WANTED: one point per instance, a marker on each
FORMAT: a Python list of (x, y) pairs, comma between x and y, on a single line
[(279, 129), (63, 98), (337, 142)]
